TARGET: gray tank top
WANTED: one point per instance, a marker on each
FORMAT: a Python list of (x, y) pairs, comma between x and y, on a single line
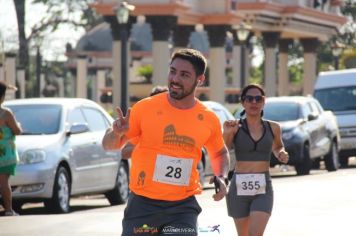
[(247, 149)]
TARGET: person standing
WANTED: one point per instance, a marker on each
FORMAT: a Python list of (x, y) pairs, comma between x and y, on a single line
[(169, 130), (250, 195), (8, 153)]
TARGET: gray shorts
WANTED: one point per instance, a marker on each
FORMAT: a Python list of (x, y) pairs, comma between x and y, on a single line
[(241, 206), (145, 216)]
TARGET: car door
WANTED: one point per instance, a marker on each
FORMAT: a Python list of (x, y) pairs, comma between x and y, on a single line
[(311, 127), (82, 155), (108, 160), (322, 141)]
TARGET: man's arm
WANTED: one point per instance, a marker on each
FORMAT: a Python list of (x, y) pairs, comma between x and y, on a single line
[(115, 137), (220, 162), (113, 140), (126, 151), (220, 165)]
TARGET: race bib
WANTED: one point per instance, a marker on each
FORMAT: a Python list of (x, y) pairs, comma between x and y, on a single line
[(250, 184), (172, 170)]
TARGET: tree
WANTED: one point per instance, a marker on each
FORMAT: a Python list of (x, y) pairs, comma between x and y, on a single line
[(59, 13), (346, 36)]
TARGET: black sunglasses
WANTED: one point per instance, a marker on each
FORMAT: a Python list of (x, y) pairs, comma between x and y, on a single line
[(250, 98)]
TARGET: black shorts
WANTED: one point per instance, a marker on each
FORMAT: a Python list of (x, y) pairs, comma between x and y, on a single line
[(241, 206), (145, 216)]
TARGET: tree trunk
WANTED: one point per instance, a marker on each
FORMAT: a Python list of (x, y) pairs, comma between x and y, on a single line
[(23, 50)]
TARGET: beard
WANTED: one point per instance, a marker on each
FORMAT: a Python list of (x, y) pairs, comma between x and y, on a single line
[(181, 93)]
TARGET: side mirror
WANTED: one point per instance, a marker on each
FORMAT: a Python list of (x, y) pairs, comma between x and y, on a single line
[(78, 128), (312, 117)]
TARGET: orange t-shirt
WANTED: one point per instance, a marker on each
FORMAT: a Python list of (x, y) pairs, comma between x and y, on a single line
[(168, 147)]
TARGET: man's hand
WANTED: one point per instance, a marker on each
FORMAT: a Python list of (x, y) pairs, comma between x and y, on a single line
[(121, 124), (220, 187), (114, 137)]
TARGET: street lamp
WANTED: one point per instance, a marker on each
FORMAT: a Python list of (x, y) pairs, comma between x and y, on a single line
[(336, 50), (122, 15), (242, 33)]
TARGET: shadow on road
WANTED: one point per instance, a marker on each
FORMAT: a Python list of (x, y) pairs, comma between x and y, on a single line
[(77, 204)]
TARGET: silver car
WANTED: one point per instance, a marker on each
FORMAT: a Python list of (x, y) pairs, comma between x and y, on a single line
[(60, 153), (223, 114)]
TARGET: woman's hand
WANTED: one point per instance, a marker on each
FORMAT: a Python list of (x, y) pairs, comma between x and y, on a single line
[(230, 129), (283, 156)]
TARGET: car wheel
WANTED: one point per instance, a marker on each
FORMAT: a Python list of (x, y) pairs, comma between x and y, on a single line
[(303, 168), (332, 158), (59, 203), (120, 193), (200, 168)]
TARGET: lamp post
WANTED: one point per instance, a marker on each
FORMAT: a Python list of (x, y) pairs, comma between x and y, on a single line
[(242, 33), (336, 50), (122, 15)]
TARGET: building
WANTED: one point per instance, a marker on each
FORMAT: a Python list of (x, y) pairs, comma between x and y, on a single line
[(173, 23)]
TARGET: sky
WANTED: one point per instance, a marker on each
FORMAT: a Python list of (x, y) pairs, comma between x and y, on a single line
[(53, 46)]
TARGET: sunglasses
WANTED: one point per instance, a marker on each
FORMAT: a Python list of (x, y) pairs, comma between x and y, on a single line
[(250, 98)]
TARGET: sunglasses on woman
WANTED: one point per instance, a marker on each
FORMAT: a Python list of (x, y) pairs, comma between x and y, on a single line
[(250, 98)]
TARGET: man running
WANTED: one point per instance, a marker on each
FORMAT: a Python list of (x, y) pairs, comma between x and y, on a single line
[(169, 131)]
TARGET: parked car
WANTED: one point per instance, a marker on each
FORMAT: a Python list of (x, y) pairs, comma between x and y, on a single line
[(61, 154), (336, 91), (309, 133), (223, 114)]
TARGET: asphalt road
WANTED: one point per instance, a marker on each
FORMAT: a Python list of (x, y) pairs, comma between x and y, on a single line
[(320, 204)]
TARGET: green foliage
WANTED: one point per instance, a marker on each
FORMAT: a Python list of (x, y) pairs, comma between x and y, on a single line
[(296, 73), (146, 71), (295, 51), (229, 75), (348, 58), (256, 74), (349, 8)]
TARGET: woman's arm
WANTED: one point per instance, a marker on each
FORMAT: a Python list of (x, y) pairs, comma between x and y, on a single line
[(12, 123), (230, 129), (278, 146)]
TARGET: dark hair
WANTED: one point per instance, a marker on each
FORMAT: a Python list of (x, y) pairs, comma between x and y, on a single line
[(158, 89), (3, 87), (243, 96), (251, 86), (195, 57)]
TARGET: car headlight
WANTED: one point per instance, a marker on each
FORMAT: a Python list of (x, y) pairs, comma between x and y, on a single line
[(32, 156), (288, 135)]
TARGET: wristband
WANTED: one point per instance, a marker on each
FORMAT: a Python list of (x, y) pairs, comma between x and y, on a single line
[(226, 180)]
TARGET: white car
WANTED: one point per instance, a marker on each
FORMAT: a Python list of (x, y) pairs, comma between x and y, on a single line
[(336, 92), (61, 155)]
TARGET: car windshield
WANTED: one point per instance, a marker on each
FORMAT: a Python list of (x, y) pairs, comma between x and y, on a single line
[(337, 99), (37, 119), (281, 111)]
